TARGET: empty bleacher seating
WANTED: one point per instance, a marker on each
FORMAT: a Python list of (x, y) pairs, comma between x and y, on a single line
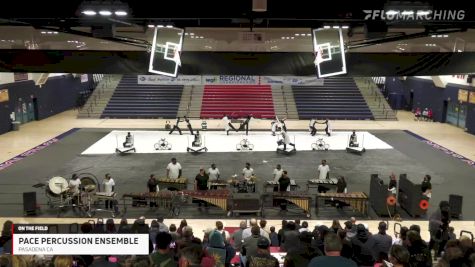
[(237, 101), (133, 100), (339, 98)]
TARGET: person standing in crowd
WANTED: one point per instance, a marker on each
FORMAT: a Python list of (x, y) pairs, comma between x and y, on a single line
[(439, 222), (152, 185), (419, 253), (109, 186), (399, 256), (332, 247), (381, 241), (237, 236), (162, 256), (426, 186), (312, 128), (392, 186), (174, 169), (176, 127), (362, 247), (213, 173), (262, 258)]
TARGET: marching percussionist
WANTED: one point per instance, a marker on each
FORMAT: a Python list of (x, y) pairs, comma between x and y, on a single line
[(152, 185), (245, 124), (188, 125), (201, 183), (173, 169), (213, 174), (109, 186), (129, 140), (176, 127), (228, 125), (284, 183), (247, 172), (74, 185)]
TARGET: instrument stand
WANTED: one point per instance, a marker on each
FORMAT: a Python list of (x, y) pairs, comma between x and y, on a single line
[(163, 144), (244, 145)]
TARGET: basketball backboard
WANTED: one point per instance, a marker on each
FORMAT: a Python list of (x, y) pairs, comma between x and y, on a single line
[(329, 52), (165, 53)]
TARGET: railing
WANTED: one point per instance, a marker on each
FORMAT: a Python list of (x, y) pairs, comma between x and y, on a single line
[(285, 101), (374, 91), (97, 94)]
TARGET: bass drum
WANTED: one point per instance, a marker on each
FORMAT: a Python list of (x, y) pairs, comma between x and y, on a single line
[(89, 182)]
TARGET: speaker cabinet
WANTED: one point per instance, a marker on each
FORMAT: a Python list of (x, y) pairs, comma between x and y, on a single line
[(378, 194), (411, 198), (455, 202), (246, 203), (29, 203)]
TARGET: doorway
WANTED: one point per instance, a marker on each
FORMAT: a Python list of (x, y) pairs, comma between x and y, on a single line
[(456, 114)]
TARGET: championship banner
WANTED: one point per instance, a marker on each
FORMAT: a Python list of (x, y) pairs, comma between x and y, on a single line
[(291, 80), (231, 79), (165, 80), (32, 239)]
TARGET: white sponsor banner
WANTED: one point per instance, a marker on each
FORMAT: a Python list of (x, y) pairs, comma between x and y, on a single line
[(231, 79), (84, 78), (291, 80), (159, 79), (80, 244)]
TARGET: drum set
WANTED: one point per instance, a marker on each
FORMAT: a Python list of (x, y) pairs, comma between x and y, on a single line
[(60, 195)]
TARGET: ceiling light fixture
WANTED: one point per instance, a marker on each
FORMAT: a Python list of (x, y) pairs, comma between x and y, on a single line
[(326, 27), (89, 12), (120, 13), (151, 26)]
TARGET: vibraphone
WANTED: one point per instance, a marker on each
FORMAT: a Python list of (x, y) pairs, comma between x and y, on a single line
[(177, 184), (243, 186), (217, 198), (270, 185), (300, 199), (217, 185), (161, 198), (357, 200), (315, 183)]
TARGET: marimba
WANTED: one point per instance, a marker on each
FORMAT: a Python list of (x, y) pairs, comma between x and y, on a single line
[(161, 198), (315, 183), (217, 198), (177, 184), (300, 199), (217, 185), (357, 200)]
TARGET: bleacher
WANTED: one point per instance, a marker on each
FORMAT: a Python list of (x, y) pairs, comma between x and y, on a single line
[(237, 101), (338, 99), (133, 100)]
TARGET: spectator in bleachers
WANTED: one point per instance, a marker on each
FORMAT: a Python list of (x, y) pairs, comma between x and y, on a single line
[(262, 258), (319, 233), (430, 115), (187, 239), (304, 227), (162, 226), (193, 255), (381, 241), (438, 227), (336, 226), (99, 227), (183, 223), (274, 237), (291, 237), (237, 236), (399, 256), (419, 252), (281, 231), (263, 224), (6, 237), (153, 232), (163, 255), (453, 256), (425, 114), (216, 248), (415, 227), (220, 229), (110, 226), (102, 261), (417, 113), (249, 245), (62, 261), (297, 224), (362, 247), (402, 236), (332, 254), (347, 249), (452, 235), (247, 232), (467, 247), (175, 235), (123, 226), (301, 255)]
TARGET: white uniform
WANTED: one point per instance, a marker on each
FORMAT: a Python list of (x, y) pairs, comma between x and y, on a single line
[(108, 184), (247, 173), (74, 186), (174, 170), (311, 123), (213, 174), (323, 171), (277, 174), (286, 138), (226, 122)]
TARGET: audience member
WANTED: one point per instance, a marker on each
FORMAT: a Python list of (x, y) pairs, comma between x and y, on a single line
[(263, 224), (332, 256), (103, 261), (247, 232), (419, 252), (291, 237), (220, 228), (183, 223), (304, 227), (274, 237), (336, 226), (399, 256), (123, 226), (162, 227), (381, 241), (262, 258), (362, 247), (62, 261), (6, 237), (173, 232), (249, 246), (281, 231), (301, 255), (237, 236)]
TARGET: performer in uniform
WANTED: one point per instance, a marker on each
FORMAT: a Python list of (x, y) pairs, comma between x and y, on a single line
[(426, 186), (74, 185), (245, 124), (276, 174), (213, 174), (188, 125), (328, 129), (392, 186), (312, 128), (176, 127), (228, 124), (201, 183), (129, 140), (109, 186), (284, 183), (197, 141), (285, 140), (152, 185), (353, 140), (247, 174), (323, 174)]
